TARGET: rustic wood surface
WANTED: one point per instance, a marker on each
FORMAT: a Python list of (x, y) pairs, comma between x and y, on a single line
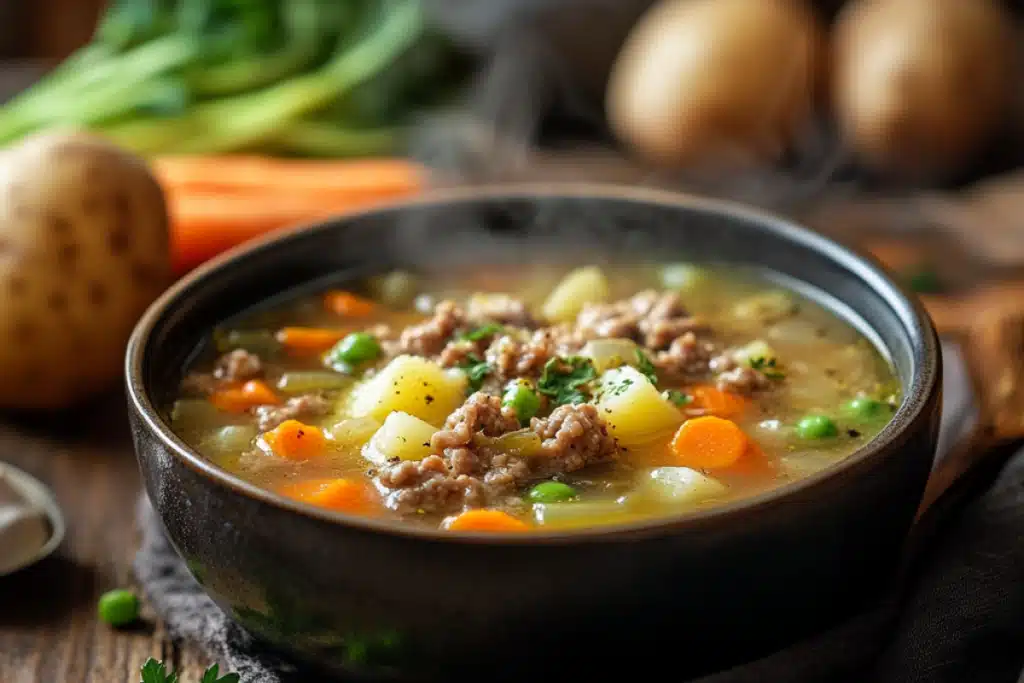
[(49, 632)]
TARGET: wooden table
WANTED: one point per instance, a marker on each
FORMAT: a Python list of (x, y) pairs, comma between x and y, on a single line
[(49, 632)]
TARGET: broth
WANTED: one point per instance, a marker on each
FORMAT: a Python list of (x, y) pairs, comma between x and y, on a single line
[(536, 398)]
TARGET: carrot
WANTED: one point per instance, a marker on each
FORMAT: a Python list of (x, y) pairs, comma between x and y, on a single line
[(203, 224), (239, 399), (754, 463), (348, 304), (240, 173), (485, 520), (709, 442), (343, 495), (714, 401), (294, 440), (309, 339)]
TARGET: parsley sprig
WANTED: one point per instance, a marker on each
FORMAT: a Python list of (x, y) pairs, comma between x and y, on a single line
[(768, 367), (565, 380), (646, 367), (482, 332), (156, 672), (476, 371)]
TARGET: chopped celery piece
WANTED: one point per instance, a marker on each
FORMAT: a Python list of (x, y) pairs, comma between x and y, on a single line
[(396, 289), (684, 277), (229, 440), (304, 381), (254, 341), (355, 431), (190, 413), (524, 443), (581, 513)]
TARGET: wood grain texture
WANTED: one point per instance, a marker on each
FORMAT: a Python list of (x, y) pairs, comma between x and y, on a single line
[(48, 626)]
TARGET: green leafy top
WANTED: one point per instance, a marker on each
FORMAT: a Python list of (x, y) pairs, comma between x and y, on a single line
[(768, 367), (646, 367), (564, 380), (677, 397), (476, 371), (482, 332), (156, 672)]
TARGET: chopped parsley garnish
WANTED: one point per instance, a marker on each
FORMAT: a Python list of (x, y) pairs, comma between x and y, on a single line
[(645, 366), (677, 397), (768, 367), (476, 371), (482, 332), (565, 380), (156, 672)]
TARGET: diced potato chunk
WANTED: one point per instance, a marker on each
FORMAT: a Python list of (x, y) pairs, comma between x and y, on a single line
[(402, 436), (766, 307), (355, 431), (681, 485), (610, 353), (413, 385), (634, 409), (580, 287)]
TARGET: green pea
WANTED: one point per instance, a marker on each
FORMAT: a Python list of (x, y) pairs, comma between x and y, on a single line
[(552, 492), (119, 607), (816, 427), (356, 348), (521, 397), (863, 408)]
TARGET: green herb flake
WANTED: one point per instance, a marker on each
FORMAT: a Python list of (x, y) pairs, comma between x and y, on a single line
[(645, 366), (768, 367), (482, 332), (677, 397), (565, 380), (476, 371)]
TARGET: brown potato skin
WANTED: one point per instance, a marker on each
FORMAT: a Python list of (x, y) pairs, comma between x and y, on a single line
[(83, 251), (920, 86), (719, 82)]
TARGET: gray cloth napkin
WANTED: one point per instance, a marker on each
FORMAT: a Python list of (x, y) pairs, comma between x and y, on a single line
[(958, 619)]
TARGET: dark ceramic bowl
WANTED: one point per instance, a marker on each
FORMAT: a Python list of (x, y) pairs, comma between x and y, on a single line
[(701, 591)]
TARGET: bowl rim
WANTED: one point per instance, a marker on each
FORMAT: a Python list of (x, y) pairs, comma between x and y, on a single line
[(924, 386)]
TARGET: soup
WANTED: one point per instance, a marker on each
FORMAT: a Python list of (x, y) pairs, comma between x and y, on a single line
[(535, 398)]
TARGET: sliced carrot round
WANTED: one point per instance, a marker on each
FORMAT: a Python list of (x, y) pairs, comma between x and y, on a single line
[(709, 442), (309, 340), (717, 402), (486, 520), (239, 399), (348, 304), (296, 441), (343, 495)]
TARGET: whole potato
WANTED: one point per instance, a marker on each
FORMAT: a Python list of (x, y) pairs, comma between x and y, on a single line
[(83, 251), (720, 81), (920, 86)]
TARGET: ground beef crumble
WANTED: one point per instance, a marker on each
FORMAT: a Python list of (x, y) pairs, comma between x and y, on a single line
[(466, 474), (231, 368), (296, 408), (652, 318)]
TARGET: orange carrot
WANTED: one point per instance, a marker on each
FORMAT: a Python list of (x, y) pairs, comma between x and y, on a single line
[(714, 401), (295, 441), (485, 520), (754, 463), (348, 304), (309, 339), (709, 442), (239, 399), (343, 495), (248, 172), (203, 224)]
